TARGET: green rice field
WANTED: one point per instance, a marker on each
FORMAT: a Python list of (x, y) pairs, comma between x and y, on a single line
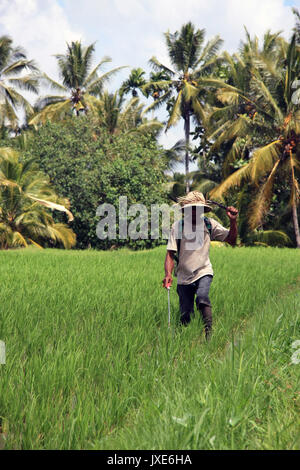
[(91, 363)]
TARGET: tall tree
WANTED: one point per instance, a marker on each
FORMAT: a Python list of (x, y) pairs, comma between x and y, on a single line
[(111, 112), (25, 193), (17, 73), (239, 120), (184, 89), (134, 82), (272, 87), (79, 82)]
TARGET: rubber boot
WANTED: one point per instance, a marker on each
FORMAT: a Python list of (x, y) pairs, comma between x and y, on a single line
[(185, 318), (207, 319)]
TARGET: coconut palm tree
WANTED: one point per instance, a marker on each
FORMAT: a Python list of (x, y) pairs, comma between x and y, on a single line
[(79, 83), (17, 73), (134, 82), (25, 193), (273, 87), (154, 88), (243, 121), (191, 60), (112, 112), (175, 186)]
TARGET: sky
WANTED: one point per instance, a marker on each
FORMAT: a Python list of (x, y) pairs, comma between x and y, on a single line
[(131, 31)]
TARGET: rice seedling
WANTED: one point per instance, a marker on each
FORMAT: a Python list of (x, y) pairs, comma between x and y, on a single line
[(92, 364)]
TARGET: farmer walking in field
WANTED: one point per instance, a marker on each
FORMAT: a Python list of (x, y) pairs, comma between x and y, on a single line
[(189, 243)]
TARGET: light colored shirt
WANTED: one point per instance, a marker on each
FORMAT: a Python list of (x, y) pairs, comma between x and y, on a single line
[(194, 261)]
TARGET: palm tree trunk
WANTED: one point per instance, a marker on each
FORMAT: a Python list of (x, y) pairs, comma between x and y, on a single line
[(296, 223), (187, 143)]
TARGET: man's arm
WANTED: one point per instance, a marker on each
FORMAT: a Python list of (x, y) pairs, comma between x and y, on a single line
[(233, 232), (169, 266)]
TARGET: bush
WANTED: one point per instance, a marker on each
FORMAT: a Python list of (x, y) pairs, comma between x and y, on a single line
[(90, 167)]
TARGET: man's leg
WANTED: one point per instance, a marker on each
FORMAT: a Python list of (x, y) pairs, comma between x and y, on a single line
[(203, 303), (186, 302)]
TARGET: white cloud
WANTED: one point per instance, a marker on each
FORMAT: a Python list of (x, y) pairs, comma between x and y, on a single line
[(135, 23), (225, 18), (40, 26), (131, 31)]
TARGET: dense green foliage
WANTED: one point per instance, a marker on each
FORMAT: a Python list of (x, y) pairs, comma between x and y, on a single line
[(89, 167)]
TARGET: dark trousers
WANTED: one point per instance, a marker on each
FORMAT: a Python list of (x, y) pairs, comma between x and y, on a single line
[(187, 294)]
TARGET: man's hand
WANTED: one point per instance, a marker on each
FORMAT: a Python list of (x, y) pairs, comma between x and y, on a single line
[(233, 232), (232, 213), (167, 282), (169, 266)]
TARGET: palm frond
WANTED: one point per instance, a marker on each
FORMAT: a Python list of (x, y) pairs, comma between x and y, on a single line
[(47, 81), (156, 65), (263, 160), (18, 240), (210, 50), (28, 83), (18, 67), (157, 85), (218, 129), (208, 66), (189, 91), (53, 112), (87, 60), (62, 234), (233, 155), (35, 244), (289, 69), (226, 96), (94, 74), (235, 179), (44, 101), (237, 128), (199, 111), (268, 97), (17, 100), (8, 114), (96, 87), (52, 205), (159, 102), (233, 69), (176, 112), (217, 83), (260, 205)]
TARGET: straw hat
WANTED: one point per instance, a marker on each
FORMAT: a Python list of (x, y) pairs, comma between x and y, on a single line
[(193, 199)]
